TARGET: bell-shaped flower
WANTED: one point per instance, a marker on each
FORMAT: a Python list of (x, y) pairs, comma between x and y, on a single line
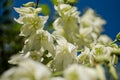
[(27, 70), (99, 50), (30, 20), (67, 28), (67, 10), (66, 54), (16, 59), (84, 57), (101, 53), (104, 39), (67, 24), (90, 19), (35, 55), (90, 28), (39, 42), (86, 37), (79, 72)]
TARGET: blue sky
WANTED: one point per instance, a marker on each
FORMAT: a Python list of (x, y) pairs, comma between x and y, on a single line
[(107, 9)]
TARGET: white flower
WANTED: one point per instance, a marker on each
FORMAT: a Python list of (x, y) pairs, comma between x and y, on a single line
[(90, 19), (101, 72), (26, 12), (57, 78), (30, 20), (35, 55), (101, 50), (90, 28), (104, 39), (67, 10), (102, 54), (66, 54), (85, 37), (16, 59), (84, 57), (42, 40), (67, 27), (27, 70), (32, 24), (67, 24), (79, 72)]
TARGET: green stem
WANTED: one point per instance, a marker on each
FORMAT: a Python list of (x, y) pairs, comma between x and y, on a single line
[(37, 3), (114, 41), (57, 74)]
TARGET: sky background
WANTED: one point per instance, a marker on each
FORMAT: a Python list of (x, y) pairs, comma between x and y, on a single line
[(107, 9)]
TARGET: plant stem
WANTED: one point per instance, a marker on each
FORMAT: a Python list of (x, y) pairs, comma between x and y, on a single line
[(37, 3)]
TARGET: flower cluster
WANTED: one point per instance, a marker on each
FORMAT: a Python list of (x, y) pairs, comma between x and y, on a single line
[(75, 50)]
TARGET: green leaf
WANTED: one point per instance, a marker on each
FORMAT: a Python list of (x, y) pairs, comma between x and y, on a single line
[(45, 9), (54, 2)]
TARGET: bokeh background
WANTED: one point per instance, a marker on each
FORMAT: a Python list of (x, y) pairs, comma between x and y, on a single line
[(11, 43)]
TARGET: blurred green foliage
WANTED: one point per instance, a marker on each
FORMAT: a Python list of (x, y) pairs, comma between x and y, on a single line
[(72, 2), (10, 42), (45, 9)]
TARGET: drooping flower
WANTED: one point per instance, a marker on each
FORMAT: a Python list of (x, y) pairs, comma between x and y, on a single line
[(103, 54), (67, 24), (67, 10), (84, 57), (104, 39), (90, 27), (27, 70), (30, 20), (99, 50), (39, 42), (79, 72), (90, 19), (66, 54)]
